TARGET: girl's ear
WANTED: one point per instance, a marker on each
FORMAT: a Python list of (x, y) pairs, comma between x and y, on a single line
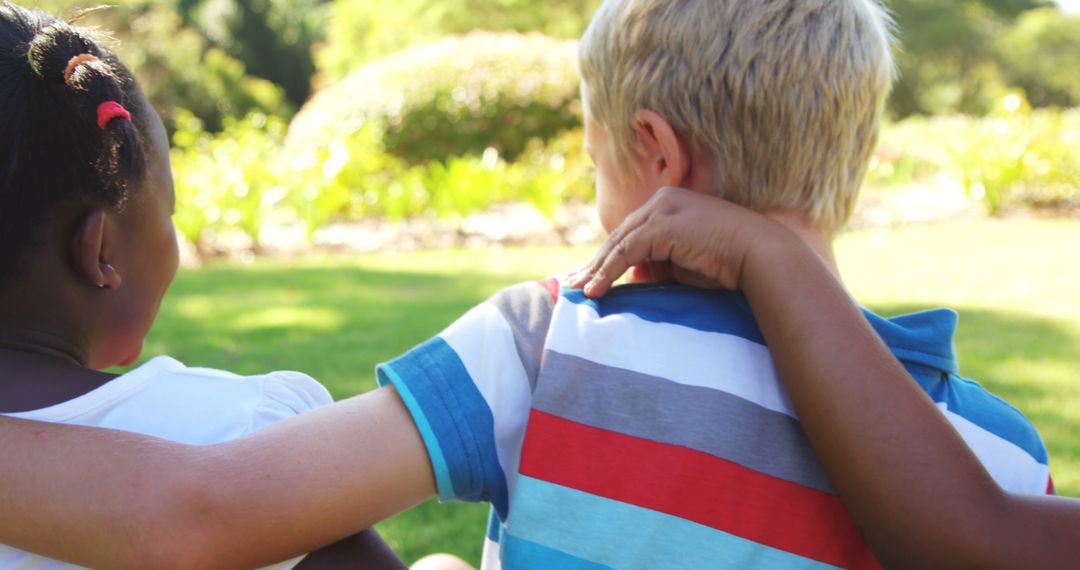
[(92, 263), (667, 157)]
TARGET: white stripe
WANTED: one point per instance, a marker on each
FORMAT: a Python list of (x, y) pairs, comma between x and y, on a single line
[(743, 368), (680, 354), (1014, 469), (484, 342), (489, 560)]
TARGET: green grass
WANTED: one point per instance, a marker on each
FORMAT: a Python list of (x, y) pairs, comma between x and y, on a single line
[(1012, 282)]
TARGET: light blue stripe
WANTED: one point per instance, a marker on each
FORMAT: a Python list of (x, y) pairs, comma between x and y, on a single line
[(387, 375), (607, 532), (520, 553)]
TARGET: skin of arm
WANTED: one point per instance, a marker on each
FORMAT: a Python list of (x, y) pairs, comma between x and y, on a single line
[(104, 498), (918, 494)]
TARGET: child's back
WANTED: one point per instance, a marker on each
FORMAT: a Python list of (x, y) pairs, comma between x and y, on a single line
[(658, 434), (166, 399), (648, 429), (86, 200)]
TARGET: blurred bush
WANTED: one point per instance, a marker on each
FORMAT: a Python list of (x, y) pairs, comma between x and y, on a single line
[(238, 180), (960, 56), (359, 32), (457, 96), (178, 68), (1042, 56), (274, 38), (1014, 157), (232, 180)]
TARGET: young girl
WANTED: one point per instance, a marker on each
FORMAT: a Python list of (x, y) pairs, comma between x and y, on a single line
[(89, 250)]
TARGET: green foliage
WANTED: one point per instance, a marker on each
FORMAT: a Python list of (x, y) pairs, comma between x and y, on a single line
[(1042, 55), (1014, 157), (359, 32), (947, 58), (273, 38), (241, 178), (456, 96), (962, 55), (229, 180), (359, 179), (184, 72)]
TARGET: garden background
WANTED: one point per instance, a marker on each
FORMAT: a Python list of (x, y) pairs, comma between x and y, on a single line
[(353, 175)]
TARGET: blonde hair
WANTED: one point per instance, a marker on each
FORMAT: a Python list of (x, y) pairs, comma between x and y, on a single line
[(786, 96)]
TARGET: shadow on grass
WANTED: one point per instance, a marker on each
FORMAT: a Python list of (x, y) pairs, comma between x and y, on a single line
[(334, 323), (1031, 362)]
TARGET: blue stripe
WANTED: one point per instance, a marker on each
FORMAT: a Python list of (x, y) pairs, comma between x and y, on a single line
[(494, 528), (707, 311), (459, 422), (443, 482), (607, 532), (520, 553), (967, 399)]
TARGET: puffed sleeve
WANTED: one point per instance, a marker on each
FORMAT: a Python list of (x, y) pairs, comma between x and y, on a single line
[(286, 394)]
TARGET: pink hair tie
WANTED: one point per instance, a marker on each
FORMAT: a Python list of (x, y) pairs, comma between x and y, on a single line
[(110, 110)]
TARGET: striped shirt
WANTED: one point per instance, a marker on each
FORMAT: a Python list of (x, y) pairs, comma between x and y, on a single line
[(649, 430)]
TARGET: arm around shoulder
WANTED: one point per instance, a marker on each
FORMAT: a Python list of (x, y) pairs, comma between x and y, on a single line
[(286, 490)]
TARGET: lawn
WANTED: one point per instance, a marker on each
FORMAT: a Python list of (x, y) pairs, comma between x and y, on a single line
[(1014, 284)]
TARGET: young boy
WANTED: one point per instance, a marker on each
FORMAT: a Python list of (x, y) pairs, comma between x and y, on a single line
[(646, 429)]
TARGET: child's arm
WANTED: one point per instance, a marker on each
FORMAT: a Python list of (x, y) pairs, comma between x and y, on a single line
[(104, 498), (918, 494)]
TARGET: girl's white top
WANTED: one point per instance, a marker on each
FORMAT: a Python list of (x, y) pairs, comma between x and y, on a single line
[(166, 399)]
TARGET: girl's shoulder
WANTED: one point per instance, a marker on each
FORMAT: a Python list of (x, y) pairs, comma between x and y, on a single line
[(167, 399)]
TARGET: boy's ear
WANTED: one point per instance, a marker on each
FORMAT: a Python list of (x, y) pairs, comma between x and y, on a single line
[(91, 252), (665, 155)]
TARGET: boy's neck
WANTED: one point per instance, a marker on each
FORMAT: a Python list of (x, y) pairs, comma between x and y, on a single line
[(819, 241)]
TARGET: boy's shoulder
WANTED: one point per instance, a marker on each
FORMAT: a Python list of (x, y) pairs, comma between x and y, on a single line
[(1001, 436), (1006, 441)]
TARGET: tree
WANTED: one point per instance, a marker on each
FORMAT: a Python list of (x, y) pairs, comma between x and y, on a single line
[(1041, 54), (273, 38), (948, 60)]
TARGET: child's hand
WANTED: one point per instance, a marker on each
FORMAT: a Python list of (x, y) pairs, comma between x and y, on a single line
[(706, 239)]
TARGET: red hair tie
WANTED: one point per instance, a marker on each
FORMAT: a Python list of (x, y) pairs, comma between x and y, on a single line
[(110, 110)]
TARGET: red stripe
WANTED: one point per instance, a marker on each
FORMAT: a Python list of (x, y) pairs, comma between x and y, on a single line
[(552, 286), (694, 486), (1050, 486)]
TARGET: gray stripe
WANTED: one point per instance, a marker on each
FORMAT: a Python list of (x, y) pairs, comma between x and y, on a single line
[(703, 419), (527, 308)]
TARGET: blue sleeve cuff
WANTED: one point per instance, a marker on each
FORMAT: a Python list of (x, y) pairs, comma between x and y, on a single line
[(387, 375), (454, 420)]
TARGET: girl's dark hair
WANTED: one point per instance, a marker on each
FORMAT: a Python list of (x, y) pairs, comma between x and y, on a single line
[(53, 154)]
